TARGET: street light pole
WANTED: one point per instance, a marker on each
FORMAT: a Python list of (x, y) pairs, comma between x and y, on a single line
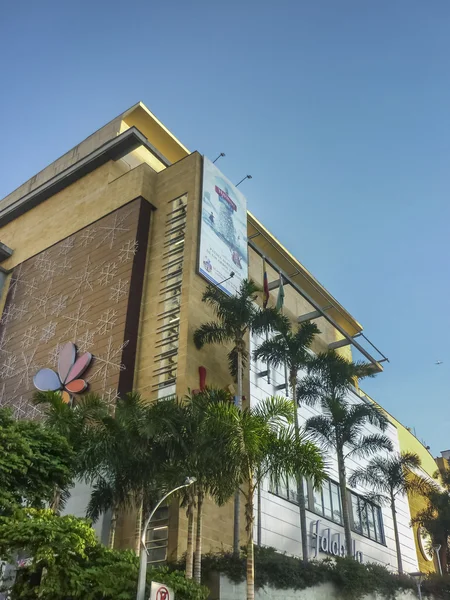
[(436, 548), (140, 595), (418, 577)]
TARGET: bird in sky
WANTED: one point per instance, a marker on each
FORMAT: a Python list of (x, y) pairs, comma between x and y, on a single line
[(439, 362)]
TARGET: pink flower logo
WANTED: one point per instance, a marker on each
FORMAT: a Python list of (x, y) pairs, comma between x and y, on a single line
[(70, 368)]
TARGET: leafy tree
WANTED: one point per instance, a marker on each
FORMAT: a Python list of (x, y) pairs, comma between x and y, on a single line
[(235, 317), (341, 424), (435, 518), (261, 442), (389, 477), (290, 347), (34, 460), (68, 563)]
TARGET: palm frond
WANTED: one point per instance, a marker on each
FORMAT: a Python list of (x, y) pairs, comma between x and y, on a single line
[(210, 333), (274, 351), (305, 334), (370, 444), (321, 428), (233, 361), (275, 410), (265, 320), (309, 390)]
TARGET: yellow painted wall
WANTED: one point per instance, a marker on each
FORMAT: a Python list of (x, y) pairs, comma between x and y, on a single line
[(409, 443)]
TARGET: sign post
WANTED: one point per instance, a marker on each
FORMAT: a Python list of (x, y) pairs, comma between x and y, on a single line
[(160, 591)]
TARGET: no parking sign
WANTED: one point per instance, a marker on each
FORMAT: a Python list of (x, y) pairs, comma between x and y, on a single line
[(159, 591)]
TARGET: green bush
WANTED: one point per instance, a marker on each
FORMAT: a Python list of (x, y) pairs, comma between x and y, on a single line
[(184, 589), (280, 571)]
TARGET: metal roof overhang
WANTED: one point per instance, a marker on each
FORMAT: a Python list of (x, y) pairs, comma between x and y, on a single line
[(295, 274)]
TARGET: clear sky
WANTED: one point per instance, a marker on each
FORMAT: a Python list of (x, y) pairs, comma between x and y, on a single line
[(339, 109)]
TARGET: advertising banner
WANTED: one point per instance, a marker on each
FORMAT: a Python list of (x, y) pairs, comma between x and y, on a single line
[(223, 231)]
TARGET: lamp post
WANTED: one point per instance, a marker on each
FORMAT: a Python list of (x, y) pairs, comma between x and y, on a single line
[(140, 595), (418, 577), (436, 548)]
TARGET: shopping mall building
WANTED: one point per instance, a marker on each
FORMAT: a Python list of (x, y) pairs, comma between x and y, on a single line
[(111, 247)]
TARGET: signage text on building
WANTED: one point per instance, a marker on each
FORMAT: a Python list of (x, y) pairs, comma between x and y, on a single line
[(331, 542)]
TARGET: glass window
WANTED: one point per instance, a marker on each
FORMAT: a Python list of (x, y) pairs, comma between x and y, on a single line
[(292, 489), (327, 506), (367, 519), (378, 524), (318, 505), (356, 515), (371, 522), (283, 488), (336, 502)]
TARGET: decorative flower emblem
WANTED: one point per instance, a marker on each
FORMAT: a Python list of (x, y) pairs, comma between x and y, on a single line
[(69, 369)]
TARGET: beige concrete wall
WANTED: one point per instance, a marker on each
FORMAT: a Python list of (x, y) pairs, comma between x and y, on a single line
[(75, 207)]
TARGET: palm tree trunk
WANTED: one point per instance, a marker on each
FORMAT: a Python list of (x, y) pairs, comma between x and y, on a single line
[(344, 500), (56, 500), (443, 557), (259, 511), (139, 527), (237, 497), (299, 480), (112, 528), (190, 540), (249, 518), (397, 538), (198, 541)]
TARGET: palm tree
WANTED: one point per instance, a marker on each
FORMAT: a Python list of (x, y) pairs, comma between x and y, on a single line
[(199, 454), (121, 456), (330, 377), (435, 518), (206, 460), (235, 317), (261, 443), (290, 348), (75, 425), (389, 477)]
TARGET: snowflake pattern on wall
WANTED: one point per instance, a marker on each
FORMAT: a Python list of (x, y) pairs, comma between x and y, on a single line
[(128, 250), (42, 301), (111, 231), (65, 264), (26, 369), (85, 343), (53, 355), (106, 321), (85, 278), (73, 291), (119, 290), (59, 305), (48, 270), (108, 273), (8, 366), (77, 320), (109, 362), (48, 332), (66, 246), (29, 337), (87, 236), (30, 287), (17, 280)]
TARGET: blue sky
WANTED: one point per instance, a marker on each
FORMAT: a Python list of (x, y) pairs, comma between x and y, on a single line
[(338, 109)]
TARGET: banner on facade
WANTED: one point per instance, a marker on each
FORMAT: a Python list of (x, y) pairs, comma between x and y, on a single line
[(223, 231)]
